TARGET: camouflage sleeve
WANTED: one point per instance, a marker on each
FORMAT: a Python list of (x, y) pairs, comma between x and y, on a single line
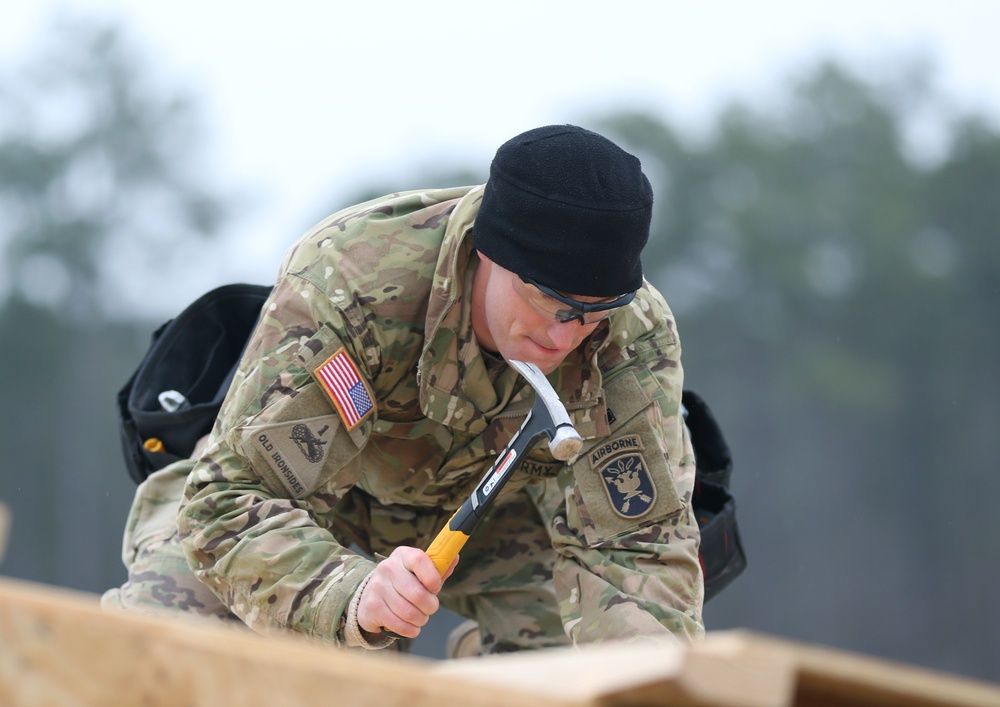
[(625, 534), (279, 458)]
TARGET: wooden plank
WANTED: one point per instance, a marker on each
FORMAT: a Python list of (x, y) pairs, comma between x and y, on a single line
[(728, 670), (825, 676), (59, 648), (735, 669)]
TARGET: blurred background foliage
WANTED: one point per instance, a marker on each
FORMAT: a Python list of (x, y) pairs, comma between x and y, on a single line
[(834, 279)]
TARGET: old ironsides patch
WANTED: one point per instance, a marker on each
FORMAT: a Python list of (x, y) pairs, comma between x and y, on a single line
[(308, 443), (629, 486)]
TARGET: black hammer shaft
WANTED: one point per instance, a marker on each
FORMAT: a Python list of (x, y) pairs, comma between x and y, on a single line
[(547, 416)]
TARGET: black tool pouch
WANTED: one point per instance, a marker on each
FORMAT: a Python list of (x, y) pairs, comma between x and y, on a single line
[(191, 358), (722, 556)]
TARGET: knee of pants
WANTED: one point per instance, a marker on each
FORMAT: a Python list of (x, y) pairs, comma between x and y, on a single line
[(161, 582)]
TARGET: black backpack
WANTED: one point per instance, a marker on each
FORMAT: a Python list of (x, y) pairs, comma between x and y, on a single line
[(174, 396), (722, 556)]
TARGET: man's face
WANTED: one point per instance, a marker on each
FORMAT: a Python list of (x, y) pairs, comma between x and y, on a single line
[(505, 321)]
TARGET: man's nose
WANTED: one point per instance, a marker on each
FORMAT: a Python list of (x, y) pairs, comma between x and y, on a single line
[(563, 334)]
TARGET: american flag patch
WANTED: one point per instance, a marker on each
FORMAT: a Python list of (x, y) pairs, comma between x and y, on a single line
[(348, 390)]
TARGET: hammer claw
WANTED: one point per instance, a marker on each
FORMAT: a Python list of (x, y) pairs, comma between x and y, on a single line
[(564, 440)]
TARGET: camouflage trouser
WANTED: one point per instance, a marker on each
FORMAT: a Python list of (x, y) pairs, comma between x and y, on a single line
[(503, 580), (159, 580)]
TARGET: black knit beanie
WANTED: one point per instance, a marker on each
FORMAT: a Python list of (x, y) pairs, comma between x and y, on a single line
[(568, 208)]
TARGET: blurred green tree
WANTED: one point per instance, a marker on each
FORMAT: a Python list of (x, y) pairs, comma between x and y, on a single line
[(101, 173), (835, 291), (101, 184)]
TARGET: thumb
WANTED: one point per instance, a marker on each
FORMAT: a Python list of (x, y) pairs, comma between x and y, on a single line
[(451, 568)]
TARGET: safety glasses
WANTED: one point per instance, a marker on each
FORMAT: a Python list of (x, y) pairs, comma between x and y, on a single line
[(565, 309)]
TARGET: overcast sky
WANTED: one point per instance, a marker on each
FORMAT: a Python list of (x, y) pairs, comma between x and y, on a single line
[(309, 100)]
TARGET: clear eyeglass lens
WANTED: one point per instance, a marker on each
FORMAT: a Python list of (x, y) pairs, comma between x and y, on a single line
[(556, 309)]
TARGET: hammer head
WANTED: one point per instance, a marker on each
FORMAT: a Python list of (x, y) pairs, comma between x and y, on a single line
[(564, 440)]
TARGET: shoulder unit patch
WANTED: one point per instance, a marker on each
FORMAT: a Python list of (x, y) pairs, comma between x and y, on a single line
[(629, 486), (345, 387)]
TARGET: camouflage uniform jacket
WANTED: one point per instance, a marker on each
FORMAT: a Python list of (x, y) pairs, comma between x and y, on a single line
[(384, 284)]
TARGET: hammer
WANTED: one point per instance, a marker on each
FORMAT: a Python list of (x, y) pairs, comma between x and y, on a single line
[(547, 416)]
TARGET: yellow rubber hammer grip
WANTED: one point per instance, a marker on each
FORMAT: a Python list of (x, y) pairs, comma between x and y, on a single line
[(446, 546)]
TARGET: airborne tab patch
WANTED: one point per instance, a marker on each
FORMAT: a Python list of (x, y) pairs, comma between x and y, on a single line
[(629, 486), (628, 443), (345, 387)]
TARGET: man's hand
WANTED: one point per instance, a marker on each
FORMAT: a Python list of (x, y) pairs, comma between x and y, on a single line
[(402, 593)]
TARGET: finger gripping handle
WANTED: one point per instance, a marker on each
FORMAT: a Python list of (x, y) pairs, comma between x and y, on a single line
[(445, 547)]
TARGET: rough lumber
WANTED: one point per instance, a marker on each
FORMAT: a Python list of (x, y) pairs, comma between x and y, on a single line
[(830, 677), (727, 669), (732, 668), (58, 647)]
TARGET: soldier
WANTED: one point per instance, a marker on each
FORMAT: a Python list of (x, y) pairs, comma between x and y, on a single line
[(374, 393)]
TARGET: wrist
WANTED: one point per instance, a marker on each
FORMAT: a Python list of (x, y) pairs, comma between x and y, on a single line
[(357, 637)]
